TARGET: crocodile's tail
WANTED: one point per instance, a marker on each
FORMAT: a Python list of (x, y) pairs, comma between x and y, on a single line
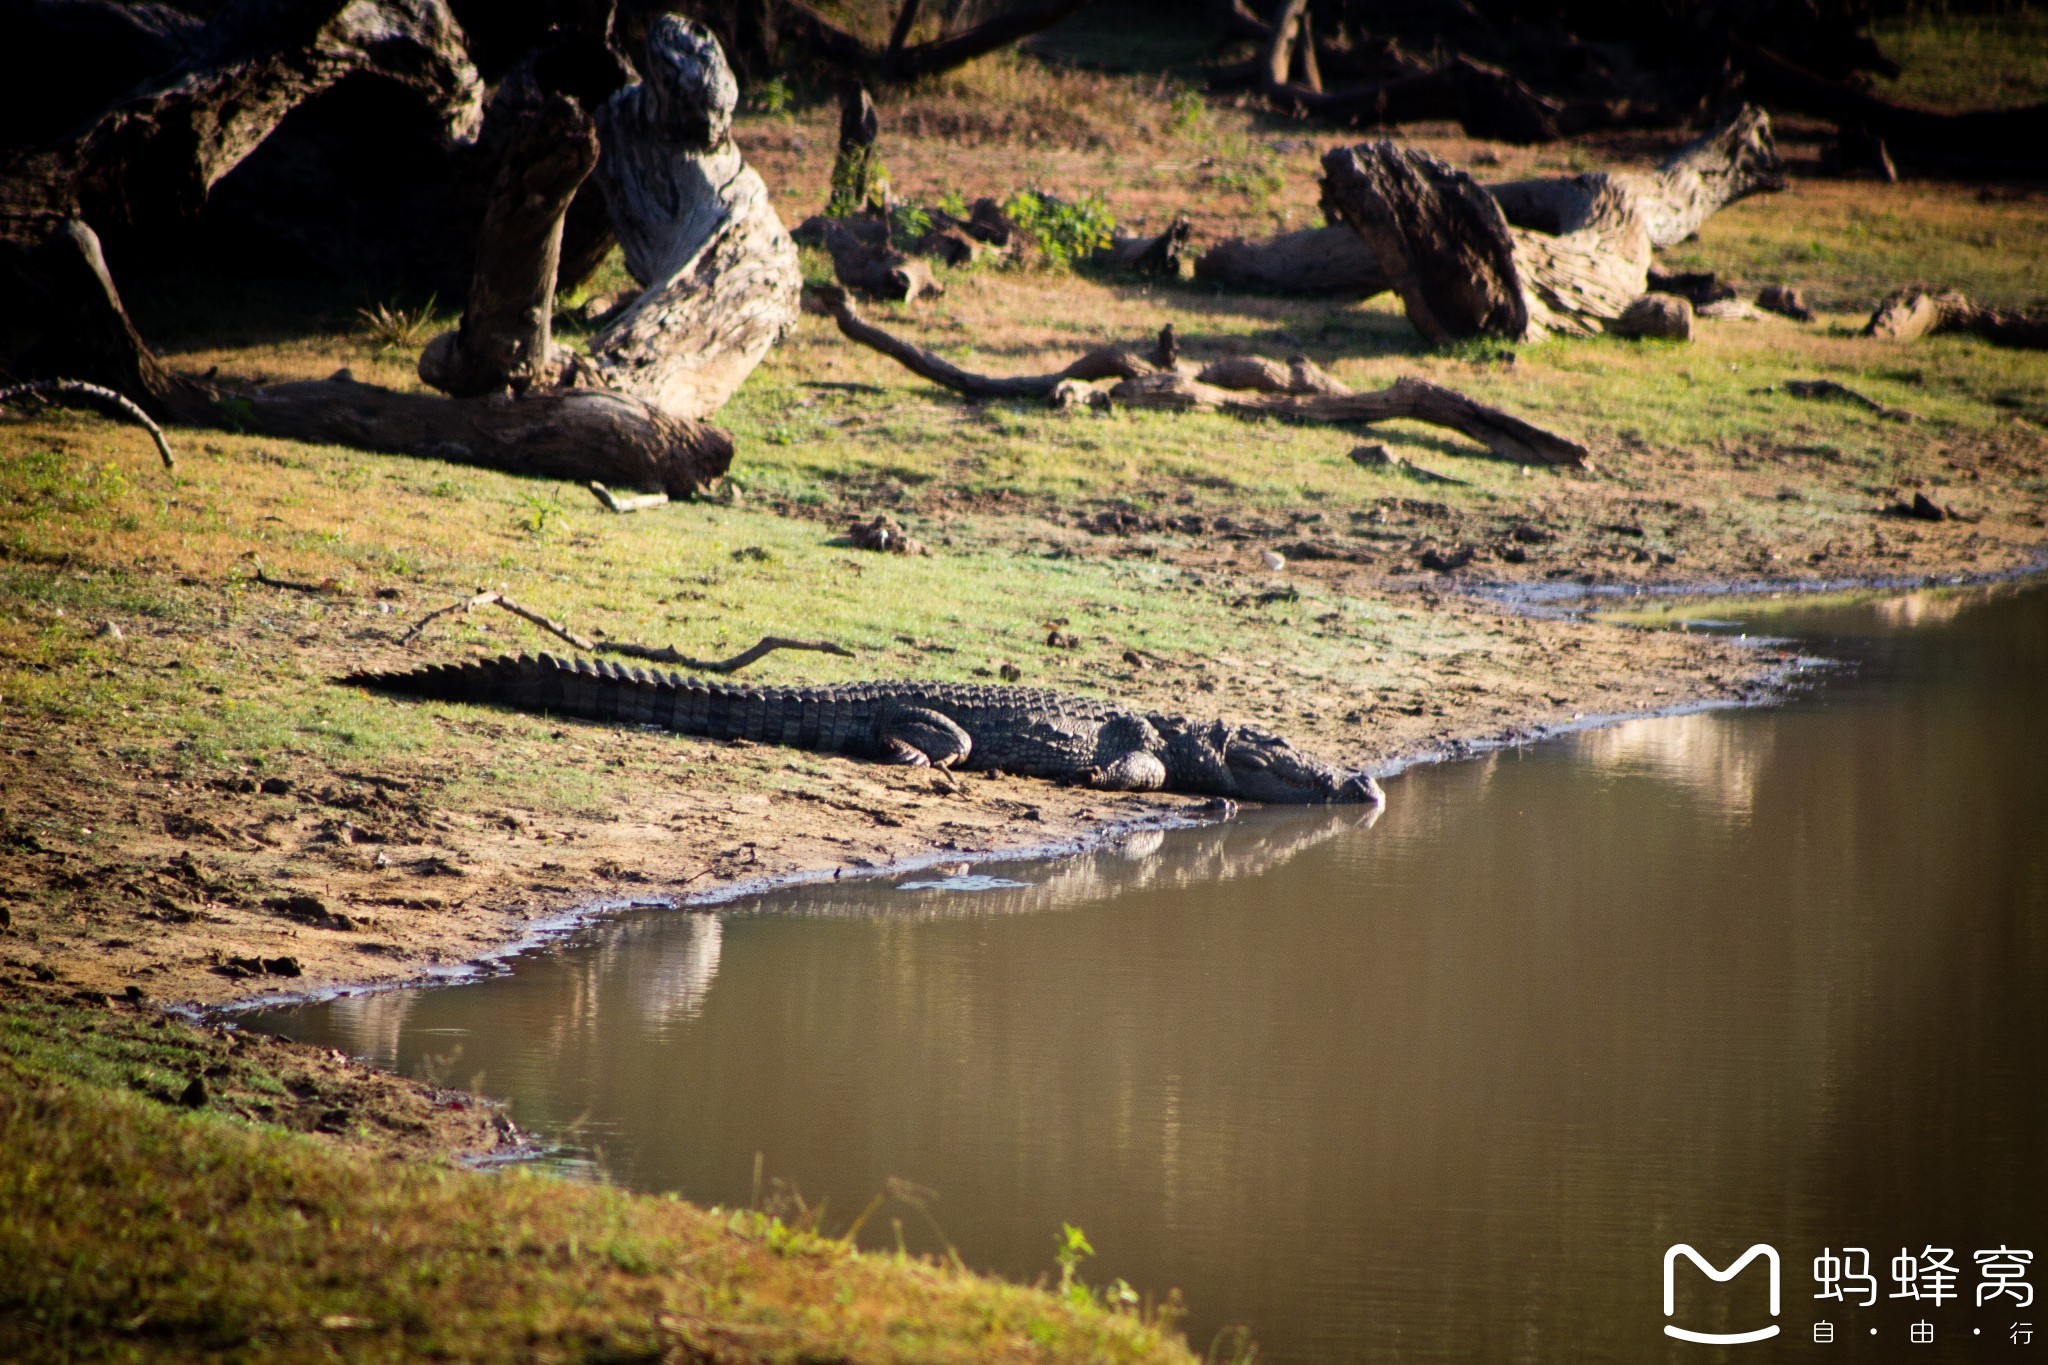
[(595, 690), (584, 688)]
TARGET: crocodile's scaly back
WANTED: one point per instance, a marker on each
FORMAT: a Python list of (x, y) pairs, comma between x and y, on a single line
[(1032, 732), (835, 717)]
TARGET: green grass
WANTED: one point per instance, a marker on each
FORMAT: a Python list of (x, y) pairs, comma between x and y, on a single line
[(136, 1231), (1967, 61)]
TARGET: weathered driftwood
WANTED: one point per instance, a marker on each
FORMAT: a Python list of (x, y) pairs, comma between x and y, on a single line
[(1332, 262), (1911, 313), (1298, 392), (1735, 159), (698, 231), (577, 434), (504, 341), (1465, 269)]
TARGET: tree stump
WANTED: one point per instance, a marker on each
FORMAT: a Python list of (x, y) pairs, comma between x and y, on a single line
[(720, 274)]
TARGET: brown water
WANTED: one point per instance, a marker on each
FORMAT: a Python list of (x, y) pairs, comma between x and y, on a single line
[(1440, 1087)]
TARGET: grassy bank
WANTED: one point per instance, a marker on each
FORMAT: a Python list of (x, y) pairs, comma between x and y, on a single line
[(139, 1228)]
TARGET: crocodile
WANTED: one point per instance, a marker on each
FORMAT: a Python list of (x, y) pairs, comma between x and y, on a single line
[(1031, 732)]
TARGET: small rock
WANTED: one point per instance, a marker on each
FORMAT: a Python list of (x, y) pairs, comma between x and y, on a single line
[(1059, 639), (1784, 300), (883, 533), (1274, 561), (109, 631), (1131, 657), (1010, 673), (1655, 315), (1921, 508), (194, 1096)]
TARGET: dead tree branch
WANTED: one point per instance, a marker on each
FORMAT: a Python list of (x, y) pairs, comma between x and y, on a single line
[(1245, 386), (93, 393)]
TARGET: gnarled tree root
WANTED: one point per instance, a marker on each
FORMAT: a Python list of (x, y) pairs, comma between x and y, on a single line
[(1251, 387)]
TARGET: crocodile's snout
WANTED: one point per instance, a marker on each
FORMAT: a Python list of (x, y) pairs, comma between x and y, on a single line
[(1361, 789)]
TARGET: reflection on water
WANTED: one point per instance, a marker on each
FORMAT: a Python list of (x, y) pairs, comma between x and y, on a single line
[(1439, 1088), (1719, 762)]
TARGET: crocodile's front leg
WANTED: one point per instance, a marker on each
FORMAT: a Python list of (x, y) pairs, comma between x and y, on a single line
[(1136, 771), (918, 737), (1125, 760)]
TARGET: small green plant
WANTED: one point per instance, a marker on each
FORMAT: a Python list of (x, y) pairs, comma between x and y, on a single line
[(1072, 1249), (907, 223), (1187, 110), (953, 204), (538, 514), (395, 328), (1066, 230), (773, 96)]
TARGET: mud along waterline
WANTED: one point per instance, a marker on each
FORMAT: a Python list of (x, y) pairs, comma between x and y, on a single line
[(1439, 1085)]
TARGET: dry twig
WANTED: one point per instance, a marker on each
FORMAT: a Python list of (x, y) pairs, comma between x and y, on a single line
[(660, 654)]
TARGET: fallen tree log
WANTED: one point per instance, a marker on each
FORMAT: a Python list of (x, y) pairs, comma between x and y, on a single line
[(1331, 262), (1464, 269), (1248, 387), (1736, 159), (1911, 313), (720, 274)]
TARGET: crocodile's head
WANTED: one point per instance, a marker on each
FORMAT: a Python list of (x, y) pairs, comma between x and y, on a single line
[(1253, 765)]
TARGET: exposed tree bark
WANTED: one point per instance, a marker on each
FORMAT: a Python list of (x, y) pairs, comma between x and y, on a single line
[(1463, 270), (1300, 392), (504, 340), (577, 434), (1911, 313), (1333, 262), (720, 274)]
